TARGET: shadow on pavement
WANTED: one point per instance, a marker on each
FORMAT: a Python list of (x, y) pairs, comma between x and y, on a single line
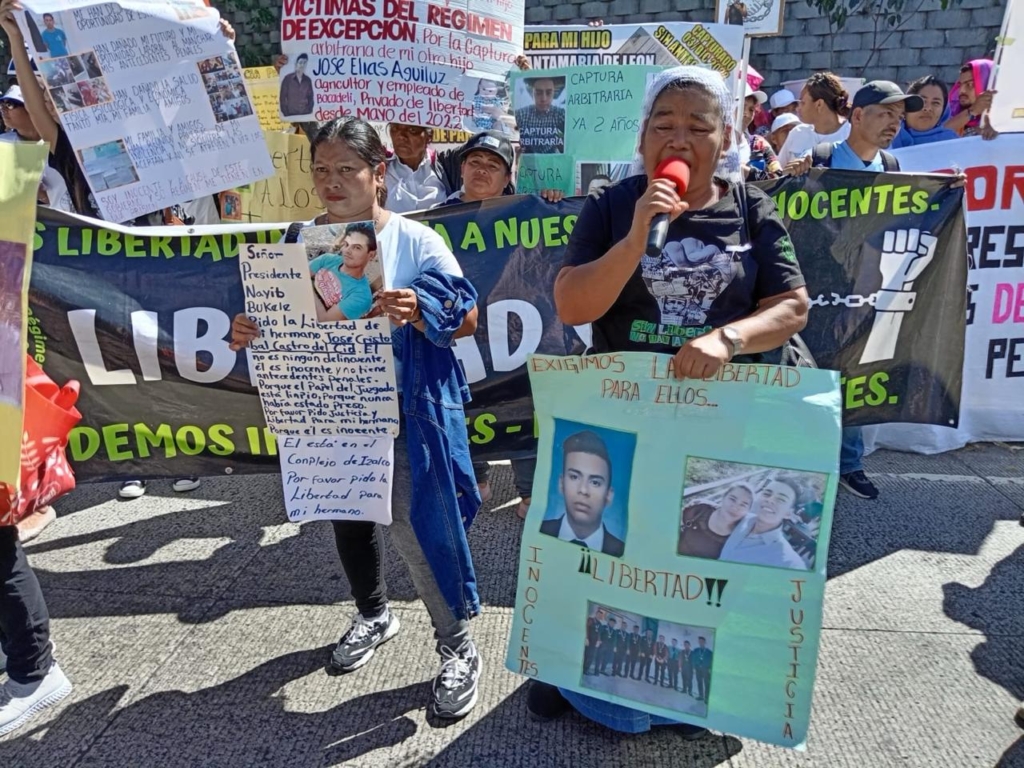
[(250, 721), (928, 516), (994, 608)]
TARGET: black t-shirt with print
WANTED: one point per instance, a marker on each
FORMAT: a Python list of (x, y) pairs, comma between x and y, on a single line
[(713, 270)]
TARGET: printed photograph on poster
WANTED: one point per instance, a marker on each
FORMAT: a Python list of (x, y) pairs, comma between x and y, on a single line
[(588, 497), (12, 346), (295, 98), (108, 165), (75, 82), (751, 514), (186, 11), (491, 106), (225, 86), (591, 177), (344, 268), (540, 115), (757, 17), (47, 35), (649, 660)]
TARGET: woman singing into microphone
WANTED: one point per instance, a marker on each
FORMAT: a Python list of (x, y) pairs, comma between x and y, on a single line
[(726, 286)]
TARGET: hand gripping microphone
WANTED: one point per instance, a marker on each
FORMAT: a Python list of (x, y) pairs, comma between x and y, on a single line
[(678, 172)]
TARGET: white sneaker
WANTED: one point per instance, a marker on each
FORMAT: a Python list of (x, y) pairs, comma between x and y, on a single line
[(185, 484), (132, 489), (31, 526), (20, 702)]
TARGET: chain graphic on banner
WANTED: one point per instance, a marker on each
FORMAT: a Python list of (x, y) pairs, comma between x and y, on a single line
[(905, 255)]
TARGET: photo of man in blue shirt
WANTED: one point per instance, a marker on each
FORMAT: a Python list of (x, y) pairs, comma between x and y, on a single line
[(54, 37)]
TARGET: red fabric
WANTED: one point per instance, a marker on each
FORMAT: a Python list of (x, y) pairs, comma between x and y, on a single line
[(754, 78), (50, 415)]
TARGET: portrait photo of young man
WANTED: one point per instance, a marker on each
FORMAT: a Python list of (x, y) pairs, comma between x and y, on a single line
[(587, 482)]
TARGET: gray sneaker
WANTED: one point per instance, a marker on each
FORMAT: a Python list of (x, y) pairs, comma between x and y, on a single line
[(455, 687), (20, 702), (357, 645)]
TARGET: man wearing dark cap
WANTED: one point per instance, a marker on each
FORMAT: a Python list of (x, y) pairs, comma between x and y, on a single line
[(542, 124), (875, 119), (586, 487)]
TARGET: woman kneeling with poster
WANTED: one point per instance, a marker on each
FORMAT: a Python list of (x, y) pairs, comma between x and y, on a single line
[(725, 286), (434, 495)]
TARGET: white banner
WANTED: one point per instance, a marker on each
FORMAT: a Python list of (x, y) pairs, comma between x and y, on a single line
[(992, 403), (152, 98), (1007, 113), (406, 61)]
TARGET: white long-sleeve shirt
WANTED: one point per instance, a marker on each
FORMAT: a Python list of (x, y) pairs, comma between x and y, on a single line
[(413, 190)]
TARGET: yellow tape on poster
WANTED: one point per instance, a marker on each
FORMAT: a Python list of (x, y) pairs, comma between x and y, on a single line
[(21, 169), (286, 196), (265, 86)]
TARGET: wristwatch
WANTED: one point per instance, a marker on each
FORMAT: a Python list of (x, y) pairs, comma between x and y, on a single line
[(732, 339)]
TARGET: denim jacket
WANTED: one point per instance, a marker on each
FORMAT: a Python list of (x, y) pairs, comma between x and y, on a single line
[(434, 390)]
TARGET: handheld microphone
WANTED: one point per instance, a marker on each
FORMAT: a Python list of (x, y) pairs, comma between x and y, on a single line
[(678, 172)]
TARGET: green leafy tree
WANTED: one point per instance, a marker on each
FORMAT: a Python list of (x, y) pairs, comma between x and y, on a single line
[(887, 17)]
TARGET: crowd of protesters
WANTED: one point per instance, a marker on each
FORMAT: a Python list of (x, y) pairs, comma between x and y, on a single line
[(784, 133)]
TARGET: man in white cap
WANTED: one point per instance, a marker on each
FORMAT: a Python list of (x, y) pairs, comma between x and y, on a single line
[(783, 102), (779, 130)]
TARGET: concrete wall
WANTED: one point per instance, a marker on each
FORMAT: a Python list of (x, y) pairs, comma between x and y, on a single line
[(930, 41)]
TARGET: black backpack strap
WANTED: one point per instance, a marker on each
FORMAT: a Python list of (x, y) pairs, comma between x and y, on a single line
[(741, 188), (821, 156), (291, 235), (889, 163)]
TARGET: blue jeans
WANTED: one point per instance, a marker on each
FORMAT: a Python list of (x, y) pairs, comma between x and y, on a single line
[(614, 716), (851, 452)]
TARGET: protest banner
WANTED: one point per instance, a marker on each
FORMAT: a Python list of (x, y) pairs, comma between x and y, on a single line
[(888, 240), (697, 515), (263, 87), (991, 406), (1007, 113), (288, 195), (142, 319), (152, 98), (407, 61), (22, 164), (757, 18)]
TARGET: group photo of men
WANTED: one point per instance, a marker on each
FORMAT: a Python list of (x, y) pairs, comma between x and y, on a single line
[(649, 660)]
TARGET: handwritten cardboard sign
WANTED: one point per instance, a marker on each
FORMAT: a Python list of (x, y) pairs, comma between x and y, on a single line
[(315, 378), (335, 478), (407, 61), (152, 98), (673, 560)]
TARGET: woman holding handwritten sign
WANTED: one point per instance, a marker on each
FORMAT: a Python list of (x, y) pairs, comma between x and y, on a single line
[(725, 285), (434, 495)]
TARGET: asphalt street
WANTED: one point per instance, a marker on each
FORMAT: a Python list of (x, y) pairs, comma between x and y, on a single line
[(195, 628)]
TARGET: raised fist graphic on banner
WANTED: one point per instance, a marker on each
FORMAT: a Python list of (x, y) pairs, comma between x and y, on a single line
[(905, 255)]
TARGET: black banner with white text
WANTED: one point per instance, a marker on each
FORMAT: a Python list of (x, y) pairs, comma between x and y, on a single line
[(141, 317)]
